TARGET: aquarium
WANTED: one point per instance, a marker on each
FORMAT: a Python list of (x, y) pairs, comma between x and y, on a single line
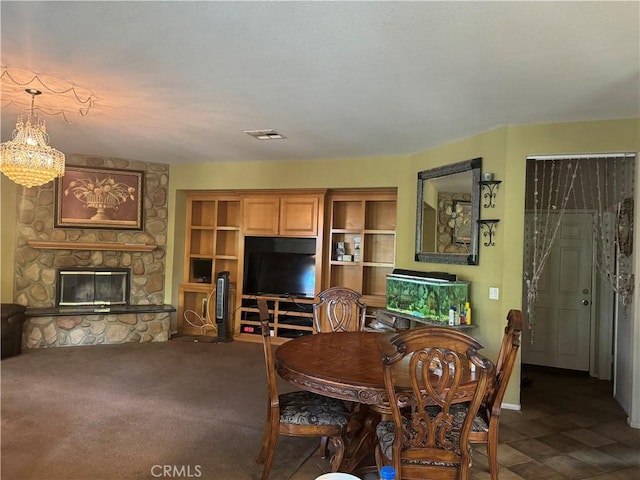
[(427, 298)]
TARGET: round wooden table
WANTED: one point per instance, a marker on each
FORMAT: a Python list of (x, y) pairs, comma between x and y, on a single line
[(346, 365)]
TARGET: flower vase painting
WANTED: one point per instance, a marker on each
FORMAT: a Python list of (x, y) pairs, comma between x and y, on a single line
[(99, 198)]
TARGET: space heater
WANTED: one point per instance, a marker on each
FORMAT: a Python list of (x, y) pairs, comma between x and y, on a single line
[(224, 299)]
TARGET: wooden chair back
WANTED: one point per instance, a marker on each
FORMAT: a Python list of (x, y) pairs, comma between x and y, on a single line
[(272, 385), (487, 424), (339, 310), (506, 359), (429, 441), (305, 414)]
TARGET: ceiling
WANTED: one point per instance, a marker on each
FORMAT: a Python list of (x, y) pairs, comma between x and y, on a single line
[(179, 82)]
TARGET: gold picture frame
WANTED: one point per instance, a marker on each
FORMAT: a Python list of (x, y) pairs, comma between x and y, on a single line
[(105, 198)]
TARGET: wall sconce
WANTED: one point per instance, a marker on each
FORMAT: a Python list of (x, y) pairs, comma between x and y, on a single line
[(488, 228), (490, 185)]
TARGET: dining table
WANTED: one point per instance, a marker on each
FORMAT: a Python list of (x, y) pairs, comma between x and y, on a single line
[(348, 366)]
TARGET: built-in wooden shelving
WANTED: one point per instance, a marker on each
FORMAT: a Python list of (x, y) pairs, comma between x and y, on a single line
[(115, 247)]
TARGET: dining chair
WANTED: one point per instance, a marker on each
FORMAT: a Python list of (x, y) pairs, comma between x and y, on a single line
[(299, 413), (423, 379), (339, 310), (486, 423), (342, 311)]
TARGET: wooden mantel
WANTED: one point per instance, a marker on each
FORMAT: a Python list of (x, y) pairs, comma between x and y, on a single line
[(116, 247)]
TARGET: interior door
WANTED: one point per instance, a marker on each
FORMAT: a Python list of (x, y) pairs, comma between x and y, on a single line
[(563, 311)]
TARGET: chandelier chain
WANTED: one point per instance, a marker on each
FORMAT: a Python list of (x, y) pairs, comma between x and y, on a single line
[(86, 100)]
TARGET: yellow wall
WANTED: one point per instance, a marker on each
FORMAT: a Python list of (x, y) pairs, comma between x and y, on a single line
[(8, 195), (504, 152), (489, 315)]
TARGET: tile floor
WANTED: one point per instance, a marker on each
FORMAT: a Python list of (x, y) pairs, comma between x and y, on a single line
[(570, 427)]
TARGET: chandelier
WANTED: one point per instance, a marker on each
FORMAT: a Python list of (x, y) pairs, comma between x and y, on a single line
[(28, 159)]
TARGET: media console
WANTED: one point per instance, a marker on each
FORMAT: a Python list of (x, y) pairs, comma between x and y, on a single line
[(290, 317)]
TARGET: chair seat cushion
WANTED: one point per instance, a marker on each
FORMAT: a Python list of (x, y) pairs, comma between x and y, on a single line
[(306, 408), (480, 422), (387, 434)]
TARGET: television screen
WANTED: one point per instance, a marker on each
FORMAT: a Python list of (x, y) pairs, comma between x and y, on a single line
[(202, 269), (280, 267)]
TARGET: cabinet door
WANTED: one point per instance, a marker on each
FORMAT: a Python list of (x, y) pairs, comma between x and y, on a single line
[(260, 215), (299, 216)]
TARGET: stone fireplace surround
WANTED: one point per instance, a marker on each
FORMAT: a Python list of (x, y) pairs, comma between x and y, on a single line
[(36, 265)]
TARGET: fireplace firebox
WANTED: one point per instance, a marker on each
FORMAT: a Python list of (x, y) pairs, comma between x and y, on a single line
[(93, 286)]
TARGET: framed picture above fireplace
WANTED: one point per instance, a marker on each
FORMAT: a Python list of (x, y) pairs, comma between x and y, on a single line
[(88, 197)]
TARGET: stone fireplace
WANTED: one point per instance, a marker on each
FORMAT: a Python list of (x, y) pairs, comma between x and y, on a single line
[(50, 258)]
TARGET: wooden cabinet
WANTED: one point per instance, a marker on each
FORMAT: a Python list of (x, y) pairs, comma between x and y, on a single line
[(212, 245), (260, 215), (193, 310), (290, 318), (367, 218), (282, 214)]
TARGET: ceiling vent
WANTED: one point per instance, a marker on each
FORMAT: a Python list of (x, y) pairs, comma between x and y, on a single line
[(264, 134)]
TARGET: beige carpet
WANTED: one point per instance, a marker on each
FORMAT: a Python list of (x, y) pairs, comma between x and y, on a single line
[(139, 411)]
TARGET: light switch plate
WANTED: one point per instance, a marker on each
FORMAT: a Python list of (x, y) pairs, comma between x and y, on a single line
[(494, 293)]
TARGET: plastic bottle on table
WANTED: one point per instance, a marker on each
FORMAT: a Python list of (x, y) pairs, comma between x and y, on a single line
[(467, 308), (387, 473)]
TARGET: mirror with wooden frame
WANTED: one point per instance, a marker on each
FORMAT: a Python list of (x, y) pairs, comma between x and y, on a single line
[(448, 210)]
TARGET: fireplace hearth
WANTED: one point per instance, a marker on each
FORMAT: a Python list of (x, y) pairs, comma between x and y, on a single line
[(93, 286)]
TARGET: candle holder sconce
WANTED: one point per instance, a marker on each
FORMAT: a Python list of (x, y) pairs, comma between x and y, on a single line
[(488, 228), (489, 188)]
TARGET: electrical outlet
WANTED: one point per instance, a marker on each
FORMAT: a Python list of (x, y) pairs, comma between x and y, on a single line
[(494, 293)]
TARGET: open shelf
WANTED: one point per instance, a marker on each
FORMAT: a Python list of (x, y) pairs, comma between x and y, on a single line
[(212, 239), (370, 215)]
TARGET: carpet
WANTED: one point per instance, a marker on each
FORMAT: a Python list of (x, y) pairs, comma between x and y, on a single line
[(139, 411)]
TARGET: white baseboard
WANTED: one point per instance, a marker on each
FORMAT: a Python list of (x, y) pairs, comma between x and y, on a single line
[(633, 424), (511, 406)]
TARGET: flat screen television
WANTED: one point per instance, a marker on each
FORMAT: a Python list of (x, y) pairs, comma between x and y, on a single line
[(279, 266)]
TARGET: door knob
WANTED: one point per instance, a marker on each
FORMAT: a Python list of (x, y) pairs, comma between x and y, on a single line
[(585, 302)]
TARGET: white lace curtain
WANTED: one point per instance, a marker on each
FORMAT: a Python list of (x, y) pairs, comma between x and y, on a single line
[(597, 184)]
